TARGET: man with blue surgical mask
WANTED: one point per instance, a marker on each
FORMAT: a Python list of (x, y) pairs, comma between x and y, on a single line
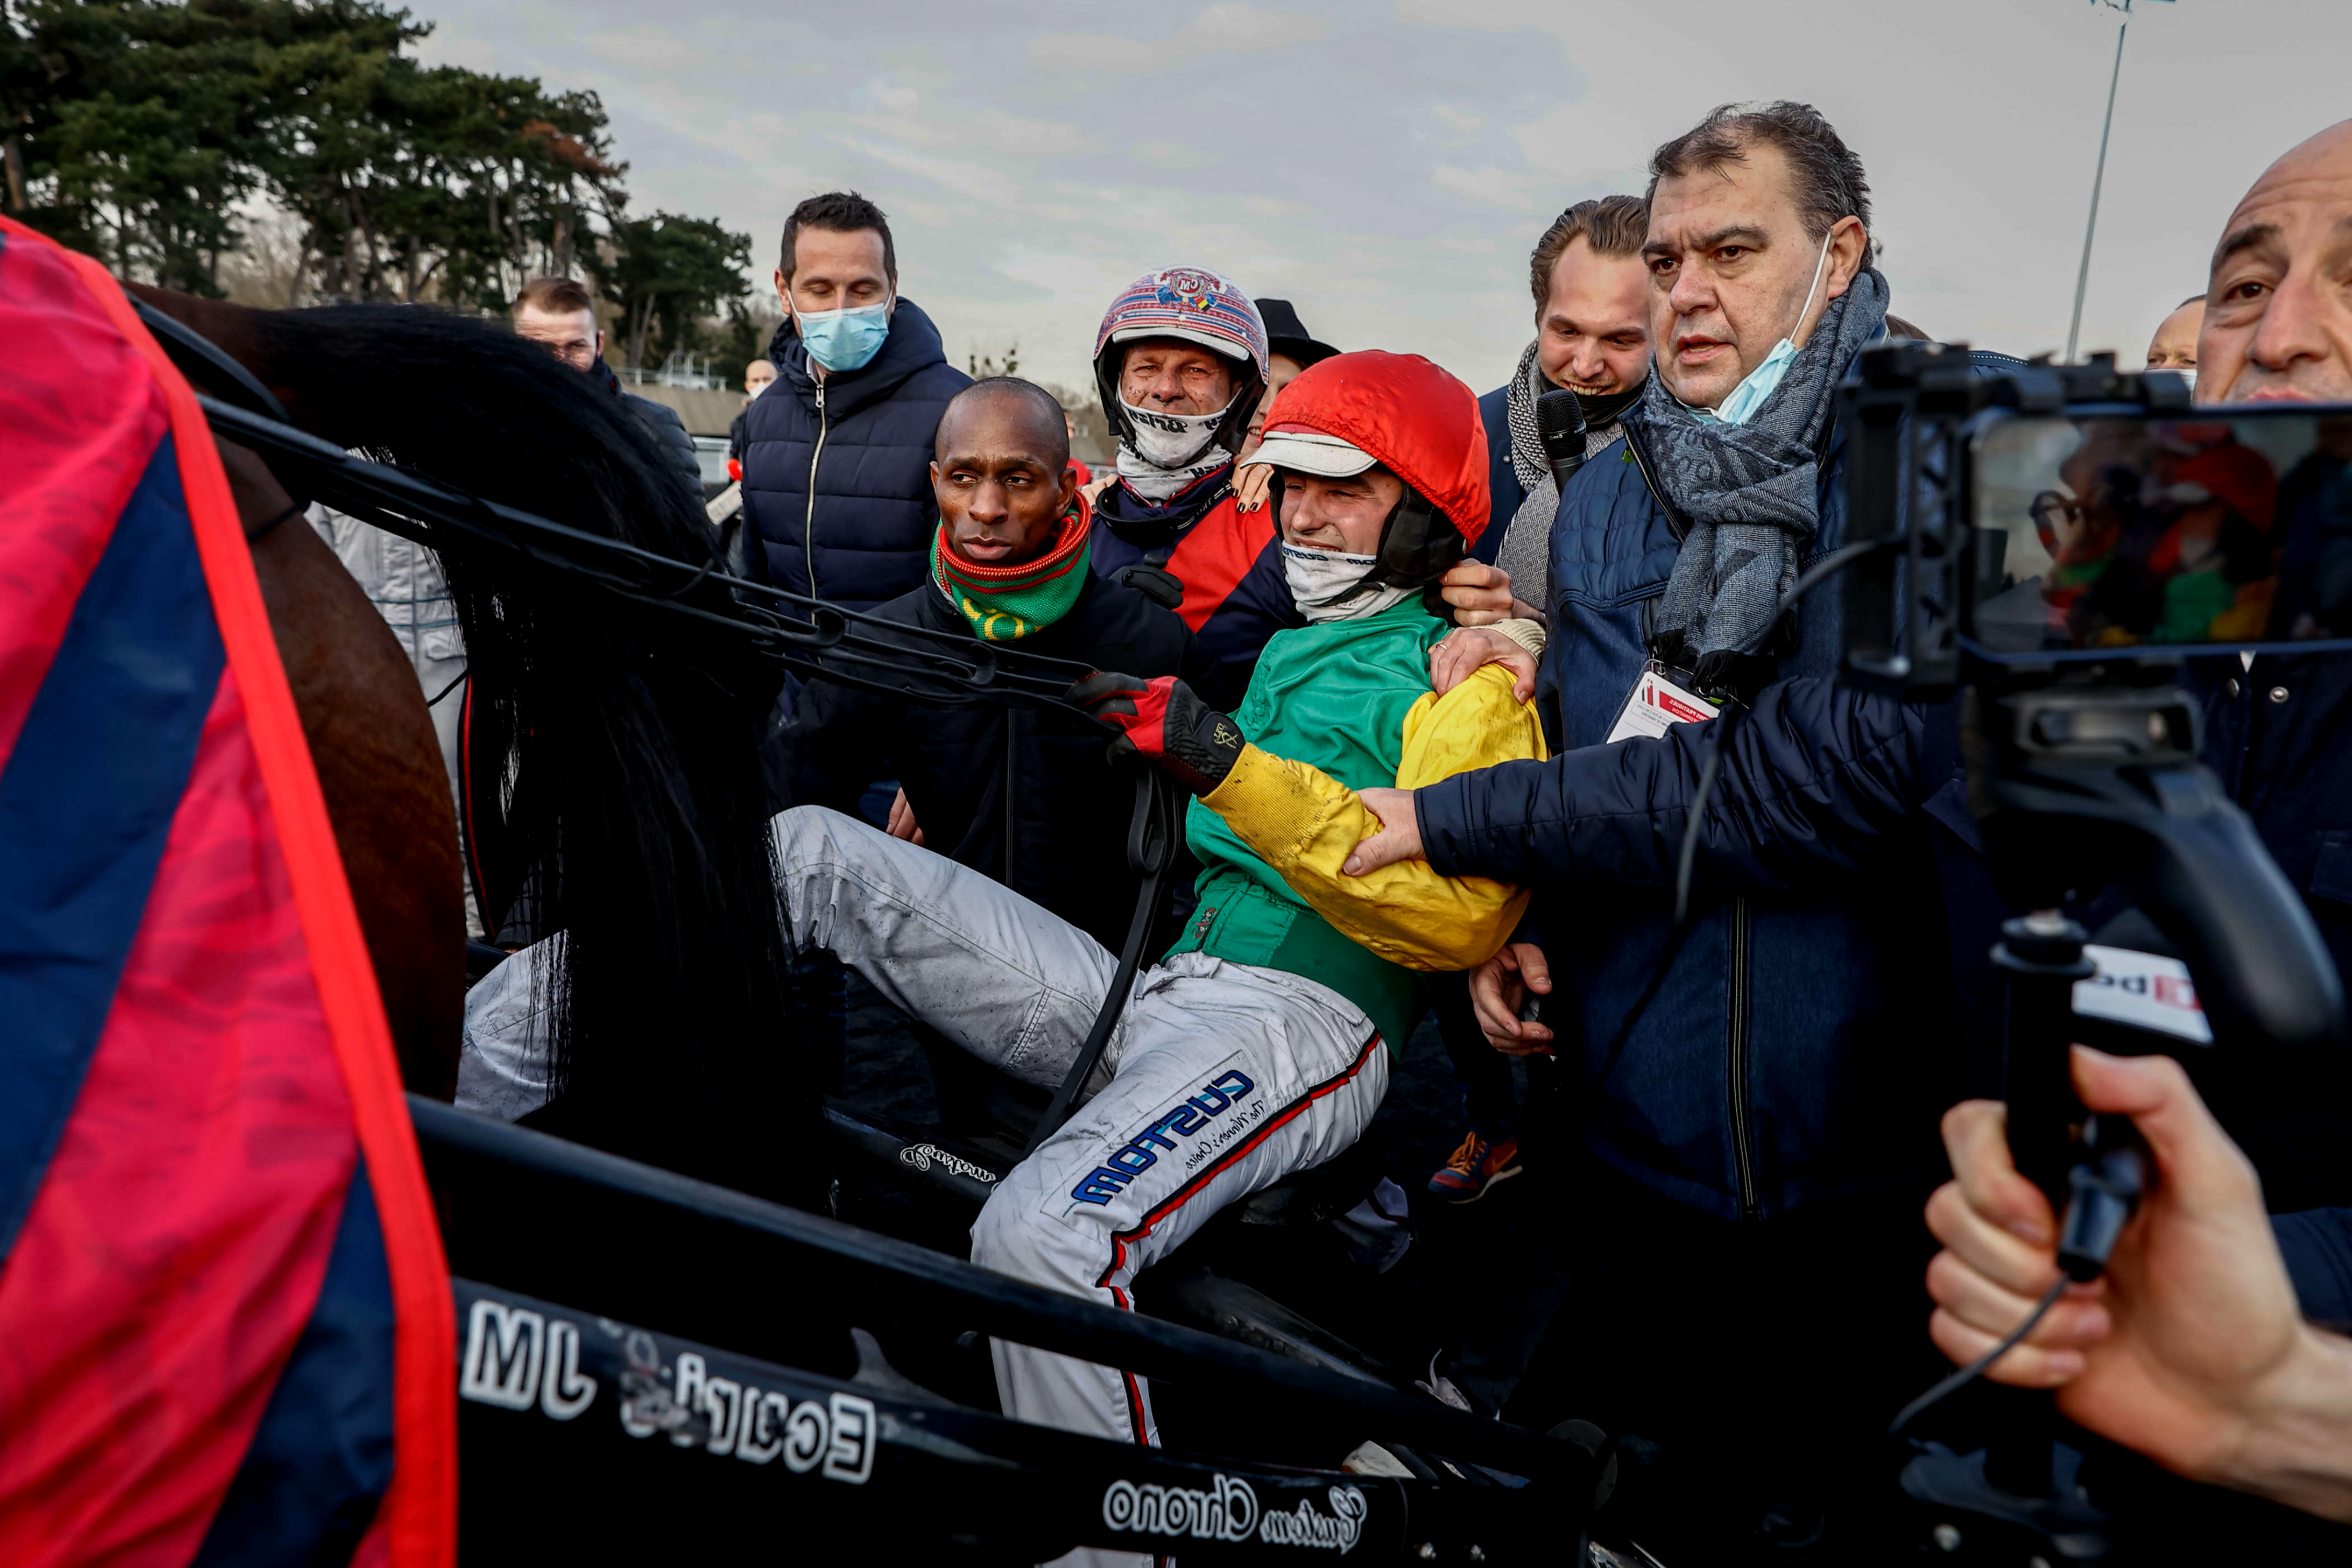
[(837, 500), (837, 453)]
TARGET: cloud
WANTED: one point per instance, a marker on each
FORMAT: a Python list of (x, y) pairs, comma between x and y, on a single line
[(1219, 28), (1490, 186), (1460, 122), (1387, 166), (985, 181), (893, 100)]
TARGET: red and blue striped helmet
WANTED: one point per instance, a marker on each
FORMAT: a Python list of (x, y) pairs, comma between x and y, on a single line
[(1195, 305), (1191, 303)]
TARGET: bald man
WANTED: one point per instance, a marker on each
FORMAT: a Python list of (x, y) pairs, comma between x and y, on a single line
[(2228, 1384), (1008, 566), (2278, 313), (2278, 328), (2174, 347)]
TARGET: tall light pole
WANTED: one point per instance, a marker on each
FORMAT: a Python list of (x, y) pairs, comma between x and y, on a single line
[(2082, 274)]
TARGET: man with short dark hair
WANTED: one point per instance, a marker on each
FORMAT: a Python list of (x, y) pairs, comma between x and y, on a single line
[(837, 453), (1592, 338), (560, 314), (1008, 565)]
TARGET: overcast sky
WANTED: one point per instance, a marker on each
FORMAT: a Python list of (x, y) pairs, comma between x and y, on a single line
[(1386, 167)]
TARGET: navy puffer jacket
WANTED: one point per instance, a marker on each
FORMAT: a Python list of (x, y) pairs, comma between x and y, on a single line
[(1802, 1044), (862, 442)]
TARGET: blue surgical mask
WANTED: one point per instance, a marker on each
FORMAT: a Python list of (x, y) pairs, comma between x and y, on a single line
[(845, 340), (1760, 384)]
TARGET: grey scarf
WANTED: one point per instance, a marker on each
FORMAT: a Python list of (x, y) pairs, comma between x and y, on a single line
[(1525, 554), (1750, 493)]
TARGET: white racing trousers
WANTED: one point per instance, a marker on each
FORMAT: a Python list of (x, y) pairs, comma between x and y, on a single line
[(1222, 1079)]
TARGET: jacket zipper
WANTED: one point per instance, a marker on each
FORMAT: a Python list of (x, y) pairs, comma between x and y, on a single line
[(1742, 1136), (808, 523), (1008, 797)]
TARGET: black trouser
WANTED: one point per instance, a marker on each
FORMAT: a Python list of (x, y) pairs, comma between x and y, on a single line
[(1765, 1356), (1484, 1072)]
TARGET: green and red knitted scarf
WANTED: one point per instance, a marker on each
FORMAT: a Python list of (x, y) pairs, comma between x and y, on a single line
[(1004, 603)]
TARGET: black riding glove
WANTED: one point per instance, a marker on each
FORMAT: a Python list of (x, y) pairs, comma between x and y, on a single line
[(1162, 721)]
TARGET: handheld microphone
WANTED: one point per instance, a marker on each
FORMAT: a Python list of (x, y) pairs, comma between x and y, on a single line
[(1560, 422)]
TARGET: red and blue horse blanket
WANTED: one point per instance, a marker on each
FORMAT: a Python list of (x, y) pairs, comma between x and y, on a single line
[(226, 1328)]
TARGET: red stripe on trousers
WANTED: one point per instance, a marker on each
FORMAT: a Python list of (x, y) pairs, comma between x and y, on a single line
[(1191, 1189)]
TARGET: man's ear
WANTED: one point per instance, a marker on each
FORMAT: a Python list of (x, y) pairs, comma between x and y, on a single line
[(783, 293), (599, 342), (891, 306), (1070, 488), (1849, 253)]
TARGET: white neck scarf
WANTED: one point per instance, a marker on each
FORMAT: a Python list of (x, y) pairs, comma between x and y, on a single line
[(1169, 451), (1318, 579)]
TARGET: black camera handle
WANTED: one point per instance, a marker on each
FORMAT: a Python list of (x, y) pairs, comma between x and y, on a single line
[(2079, 782)]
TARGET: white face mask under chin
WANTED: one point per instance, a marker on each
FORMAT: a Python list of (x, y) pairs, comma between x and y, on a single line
[(1171, 441), (1317, 578)]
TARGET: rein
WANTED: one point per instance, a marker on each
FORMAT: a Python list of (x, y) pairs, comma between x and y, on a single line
[(805, 636)]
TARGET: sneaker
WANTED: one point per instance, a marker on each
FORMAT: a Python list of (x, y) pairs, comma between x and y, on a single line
[(1478, 1165)]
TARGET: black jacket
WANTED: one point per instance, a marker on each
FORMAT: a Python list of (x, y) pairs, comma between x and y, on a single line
[(861, 442), (670, 431), (667, 429), (1065, 845)]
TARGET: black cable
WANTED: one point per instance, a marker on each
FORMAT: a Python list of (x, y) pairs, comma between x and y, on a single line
[(1687, 859), (1970, 1373), (435, 701)]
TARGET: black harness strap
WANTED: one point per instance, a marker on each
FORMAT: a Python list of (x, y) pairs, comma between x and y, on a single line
[(198, 357), (1150, 851)]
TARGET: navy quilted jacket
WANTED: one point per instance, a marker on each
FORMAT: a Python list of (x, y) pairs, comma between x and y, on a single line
[(1801, 1043), (836, 476)]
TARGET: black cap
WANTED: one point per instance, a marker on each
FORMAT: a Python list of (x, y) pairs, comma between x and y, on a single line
[(1286, 334)]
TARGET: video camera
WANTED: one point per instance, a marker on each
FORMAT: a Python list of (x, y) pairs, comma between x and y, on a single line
[(2048, 544), (2054, 542), (2062, 516)]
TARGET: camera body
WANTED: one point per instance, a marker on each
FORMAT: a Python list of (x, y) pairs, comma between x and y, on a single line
[(2052, 519), (1912, 413), (2053, 541)]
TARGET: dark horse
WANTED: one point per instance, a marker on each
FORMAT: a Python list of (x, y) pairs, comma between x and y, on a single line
[(626, 784)]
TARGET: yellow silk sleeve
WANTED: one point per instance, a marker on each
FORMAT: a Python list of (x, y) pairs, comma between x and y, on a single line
[(1305, 824)]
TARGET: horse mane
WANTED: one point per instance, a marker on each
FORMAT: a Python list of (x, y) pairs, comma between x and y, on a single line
[(632, 743)]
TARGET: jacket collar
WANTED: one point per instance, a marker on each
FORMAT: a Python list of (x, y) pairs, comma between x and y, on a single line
[(1149, 524)]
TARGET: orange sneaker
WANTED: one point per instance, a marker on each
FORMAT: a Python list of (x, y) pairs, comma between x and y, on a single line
[(1478, 1165)]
